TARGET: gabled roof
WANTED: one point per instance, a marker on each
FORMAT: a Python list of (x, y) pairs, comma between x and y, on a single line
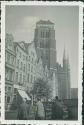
[(45, 22), (22, 45)]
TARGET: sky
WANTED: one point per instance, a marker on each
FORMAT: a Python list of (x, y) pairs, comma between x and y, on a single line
[(21, 22)]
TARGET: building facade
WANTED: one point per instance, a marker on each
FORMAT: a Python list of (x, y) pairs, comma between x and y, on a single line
[(9, 69), (31, 66), (28, 68), (20, 64)]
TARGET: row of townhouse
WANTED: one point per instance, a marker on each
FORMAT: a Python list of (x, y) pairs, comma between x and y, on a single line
[(0, 59), (22, 68), (9, 69), (0, 78)]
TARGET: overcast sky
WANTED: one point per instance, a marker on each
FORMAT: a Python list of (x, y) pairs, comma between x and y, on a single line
[(21, 22)]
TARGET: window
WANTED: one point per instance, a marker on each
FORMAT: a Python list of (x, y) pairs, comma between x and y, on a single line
[(8, 58), (23, 78), (42, 34), (8, 99), (31, 78), (47, 45), (24, 68), (26, 58), (21, 66), (9, 89), (15, 90), (32, 60), (20, 78), (32, 69), (29, 58), (6, 88), (16, 76), (10, 75), (5, 99), (47, 34), (28, 78), (12, 60), (29, 67), (7, 75), (18, 63), (34, 79)]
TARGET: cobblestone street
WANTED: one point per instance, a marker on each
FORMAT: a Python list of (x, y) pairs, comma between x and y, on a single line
[(70, 112)]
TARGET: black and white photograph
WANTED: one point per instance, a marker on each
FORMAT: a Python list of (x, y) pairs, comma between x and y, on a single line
[(42, 67)]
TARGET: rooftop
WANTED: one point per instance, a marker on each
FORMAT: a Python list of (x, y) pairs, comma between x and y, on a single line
[(45, 22)]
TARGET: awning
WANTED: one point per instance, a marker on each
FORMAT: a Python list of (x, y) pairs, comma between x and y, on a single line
[(23, 94)]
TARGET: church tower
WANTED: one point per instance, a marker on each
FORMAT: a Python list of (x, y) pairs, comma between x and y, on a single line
[(66, 71), (68, 79), (64, 61), (45, 43)]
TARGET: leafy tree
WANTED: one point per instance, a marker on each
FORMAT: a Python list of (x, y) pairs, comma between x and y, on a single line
[(41, 89)]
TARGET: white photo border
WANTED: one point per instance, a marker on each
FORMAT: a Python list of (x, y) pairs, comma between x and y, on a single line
[(43, 122)]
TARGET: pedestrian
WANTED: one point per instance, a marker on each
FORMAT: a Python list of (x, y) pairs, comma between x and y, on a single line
[(57, 113), (34, 108), (40, 113), (28, 106), (23, 110)]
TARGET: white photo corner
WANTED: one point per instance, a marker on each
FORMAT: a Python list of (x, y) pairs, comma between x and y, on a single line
[(41, 62)]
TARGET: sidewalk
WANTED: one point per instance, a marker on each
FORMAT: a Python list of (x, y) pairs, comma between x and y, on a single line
[(11, 115)]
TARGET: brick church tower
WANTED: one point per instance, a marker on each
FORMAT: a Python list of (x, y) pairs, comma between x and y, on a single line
[(45, 43)]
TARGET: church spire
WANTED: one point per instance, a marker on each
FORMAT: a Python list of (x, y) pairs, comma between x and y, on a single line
[(68, 63), (64, 56), (64, 60)]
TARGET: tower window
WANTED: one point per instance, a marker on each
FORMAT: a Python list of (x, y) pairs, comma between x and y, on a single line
[(42, 34), (47, 34)]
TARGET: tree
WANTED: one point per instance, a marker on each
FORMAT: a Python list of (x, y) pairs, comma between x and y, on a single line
[(41, 89)]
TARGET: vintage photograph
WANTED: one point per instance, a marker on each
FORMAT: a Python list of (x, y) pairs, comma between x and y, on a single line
[(41, 62)]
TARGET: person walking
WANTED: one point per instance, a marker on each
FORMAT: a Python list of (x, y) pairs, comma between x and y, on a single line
[(23, 110), (40, 113), (57, 113), (34, 108)]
